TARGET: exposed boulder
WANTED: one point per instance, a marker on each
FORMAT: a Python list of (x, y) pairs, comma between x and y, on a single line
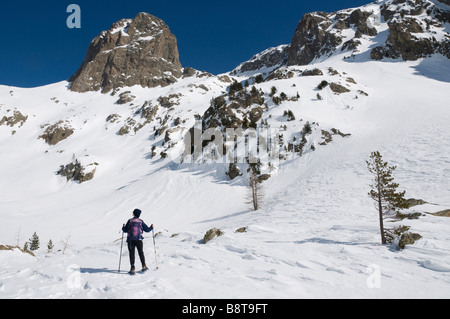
[(280, 74), (411, 202), (408, 239), (442, 213), (401, 235), (125, 97), (410, 216), (233, 171), (327, 137), (188, 72), (141, 51), (313, 72), (210, 234), (56, 133), (126, 128), (170, 101), (337, 88), (113, 118), (16, 119)]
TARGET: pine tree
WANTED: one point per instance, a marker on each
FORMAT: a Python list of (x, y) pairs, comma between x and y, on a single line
[(235, 87), (259, 78), (255, 192), (34, 242), (384, 189), (273, 91), (50, 246)]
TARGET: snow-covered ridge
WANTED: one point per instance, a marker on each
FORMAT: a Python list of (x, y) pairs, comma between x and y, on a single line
[(388, 29)]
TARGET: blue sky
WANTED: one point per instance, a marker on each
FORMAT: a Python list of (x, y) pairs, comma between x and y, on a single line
[(38, 48)]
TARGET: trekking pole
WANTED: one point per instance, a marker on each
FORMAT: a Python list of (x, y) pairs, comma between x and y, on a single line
[(154, 245), (121, 247)]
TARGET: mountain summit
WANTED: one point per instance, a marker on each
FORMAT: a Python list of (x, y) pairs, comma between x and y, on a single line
[(388, 29), (141, 51)]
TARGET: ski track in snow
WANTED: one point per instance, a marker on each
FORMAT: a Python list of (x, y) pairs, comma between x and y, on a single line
[(315, 237)]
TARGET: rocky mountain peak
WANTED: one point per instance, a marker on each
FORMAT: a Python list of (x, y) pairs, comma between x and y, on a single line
[(140, 51), (416, 29), (395, 29)]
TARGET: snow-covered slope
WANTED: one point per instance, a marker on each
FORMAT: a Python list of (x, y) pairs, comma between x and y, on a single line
[(316, 234)]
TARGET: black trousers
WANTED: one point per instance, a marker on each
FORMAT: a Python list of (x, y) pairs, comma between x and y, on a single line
[(132, 245)]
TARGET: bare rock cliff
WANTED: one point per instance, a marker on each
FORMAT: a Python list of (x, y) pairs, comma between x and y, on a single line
[(141, 51)]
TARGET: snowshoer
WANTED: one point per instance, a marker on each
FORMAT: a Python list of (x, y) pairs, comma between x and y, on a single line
[(135, 228)]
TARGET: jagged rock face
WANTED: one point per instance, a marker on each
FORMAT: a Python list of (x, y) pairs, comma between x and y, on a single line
[(413, 34), (311, 39), (416, 29), (141, 51), (270, 58)]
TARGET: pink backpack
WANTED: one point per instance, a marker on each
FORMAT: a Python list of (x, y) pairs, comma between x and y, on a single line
[(135, 232)]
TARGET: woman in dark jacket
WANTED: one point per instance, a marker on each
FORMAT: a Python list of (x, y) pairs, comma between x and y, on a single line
[(135, 228)]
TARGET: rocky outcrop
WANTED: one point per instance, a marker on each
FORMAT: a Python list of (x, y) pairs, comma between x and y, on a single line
[(16, 119), (311, 39), (337, 88), (56, 133), (141, 51), (413, 35), (411, 202), (327, 137), (402, 43), (125, 97), (141, 118), (210, 234), (75, 171), (268, 59), (442, 213), (408, 239), (416, 29), (318, 34)]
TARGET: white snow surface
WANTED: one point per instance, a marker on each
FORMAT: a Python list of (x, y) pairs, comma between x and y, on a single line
[(316, 235)]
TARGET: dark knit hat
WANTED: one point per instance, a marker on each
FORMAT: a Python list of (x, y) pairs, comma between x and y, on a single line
[(137, 213)]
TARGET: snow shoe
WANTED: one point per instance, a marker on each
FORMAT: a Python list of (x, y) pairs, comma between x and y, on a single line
[(132, 271), (144, 269)]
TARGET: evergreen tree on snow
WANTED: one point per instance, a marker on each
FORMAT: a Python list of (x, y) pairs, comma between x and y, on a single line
[(50, 246), (384, 189), (34, 242)]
